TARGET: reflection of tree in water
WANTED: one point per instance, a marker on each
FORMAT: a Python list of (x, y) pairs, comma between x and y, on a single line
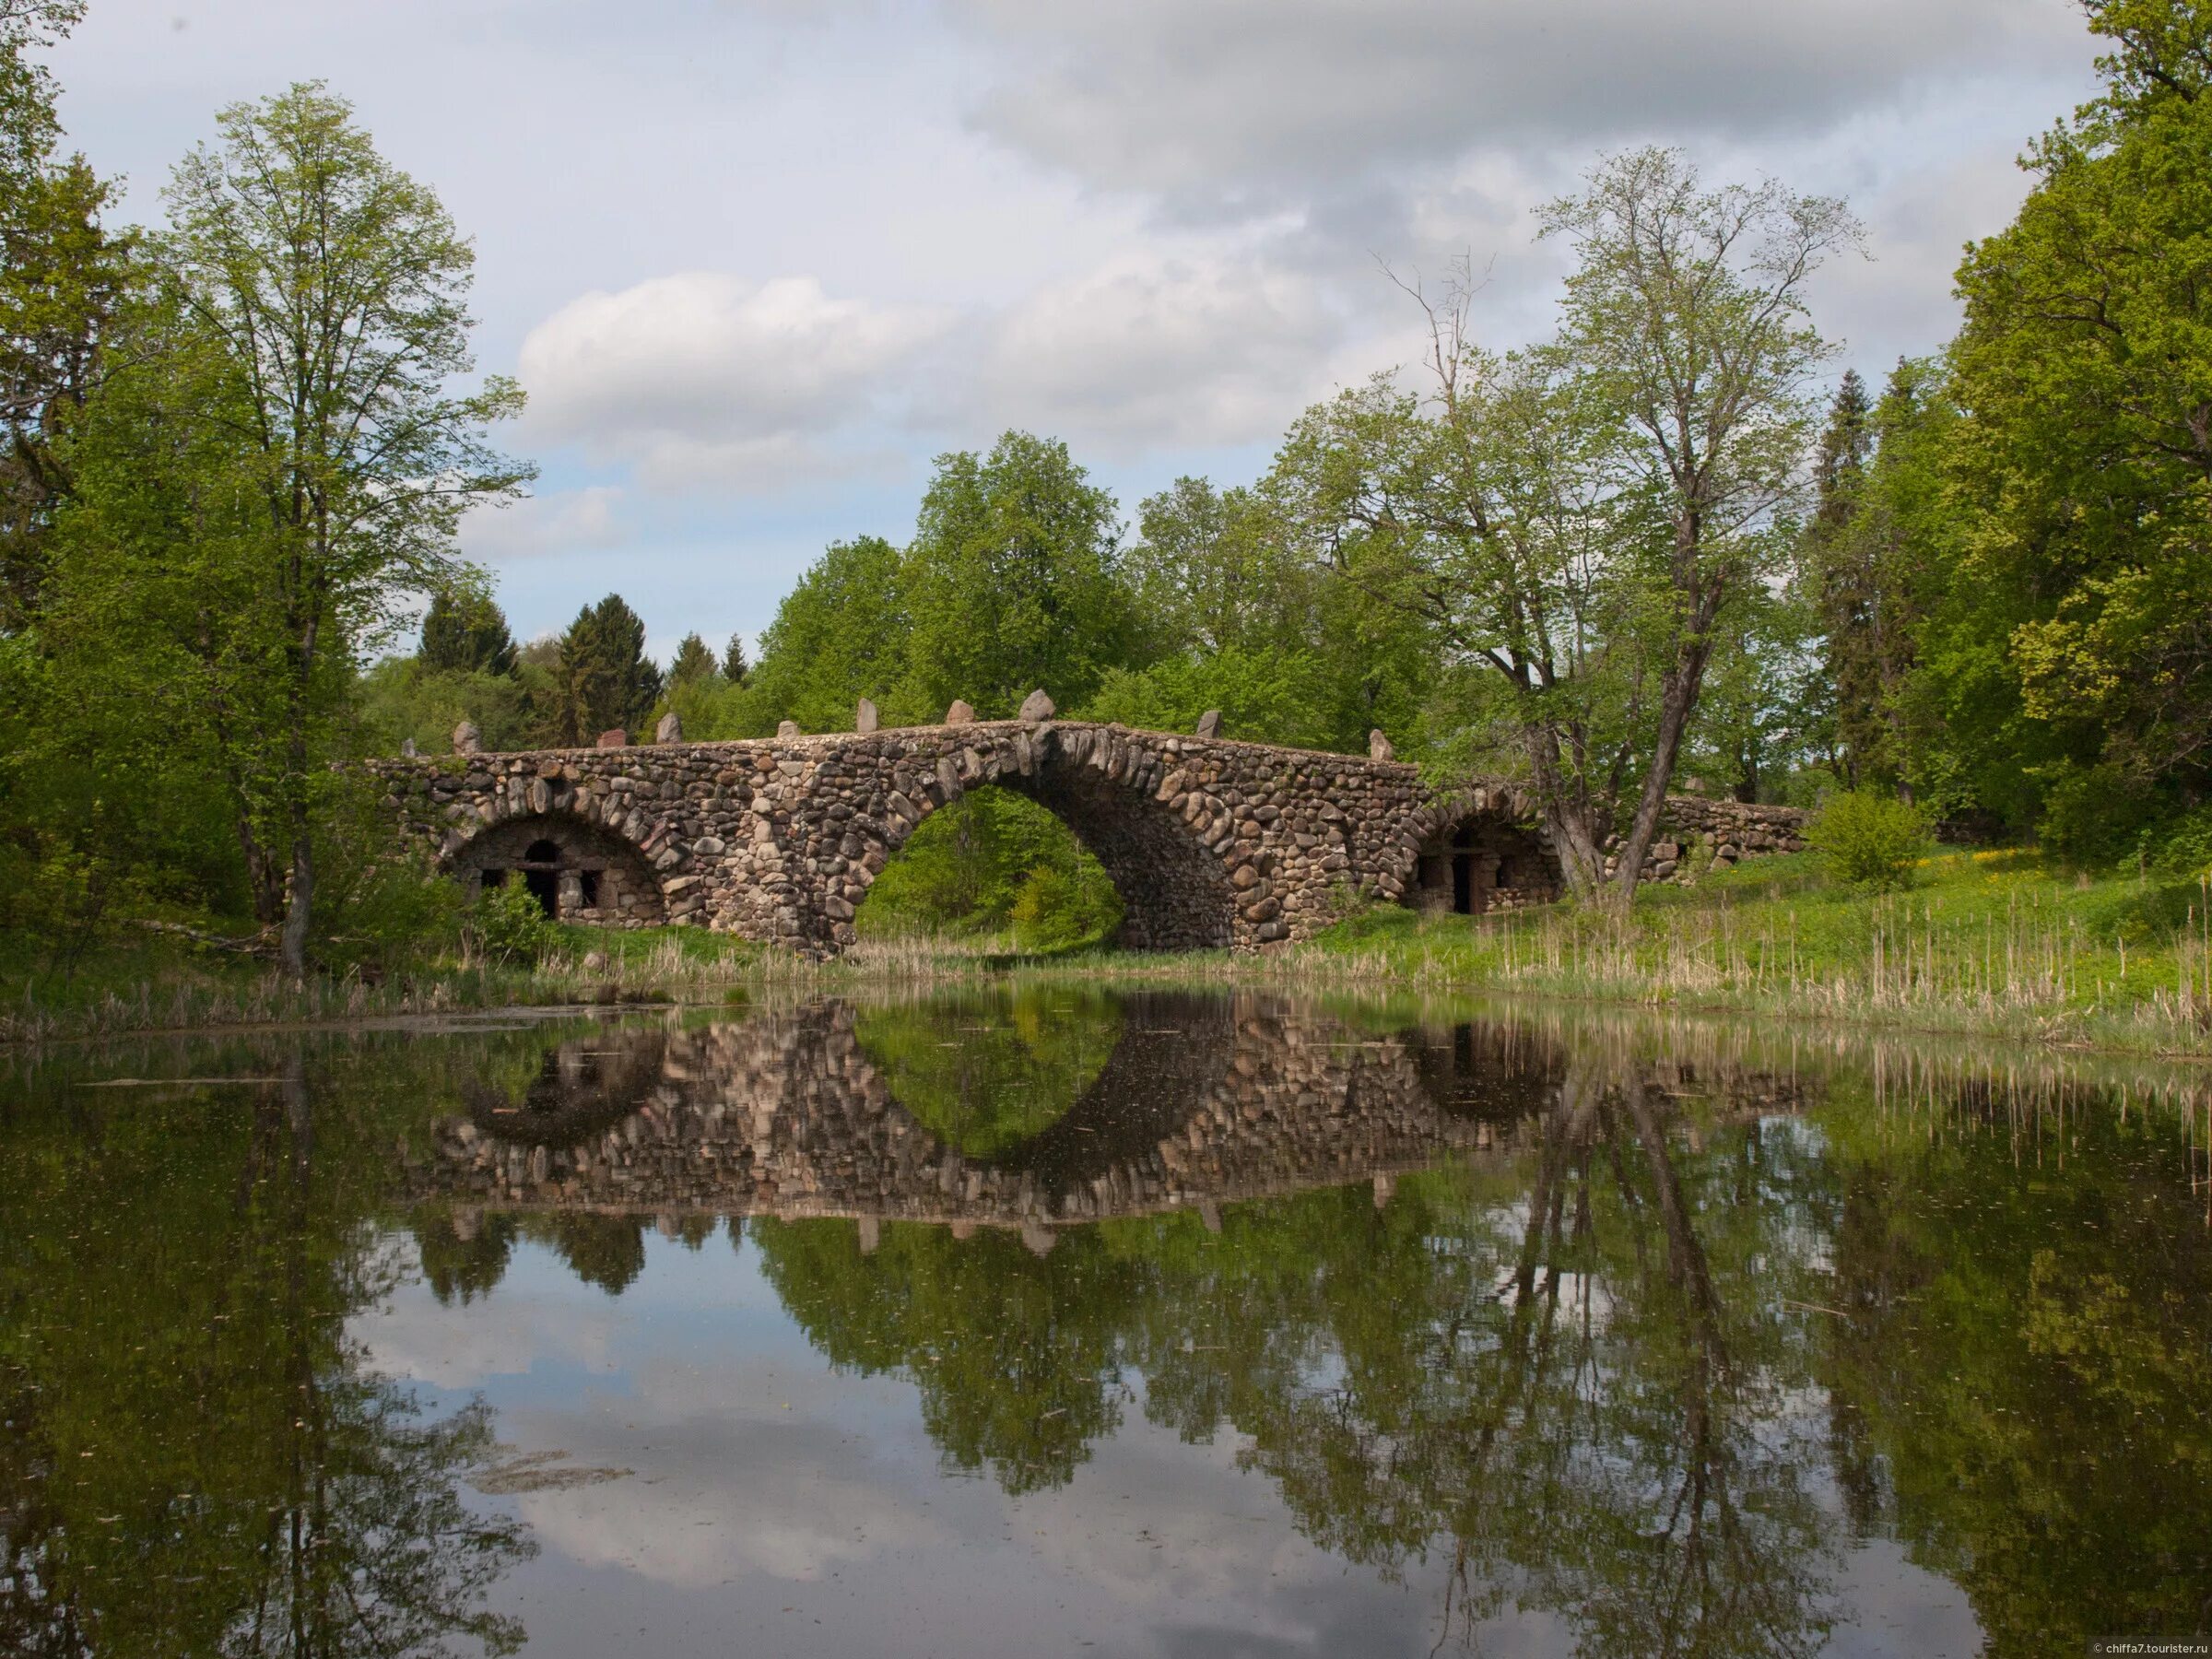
[(2019, 1385), (193, 1457), (1575, 1376), (1015, 1355), (984, 1071)]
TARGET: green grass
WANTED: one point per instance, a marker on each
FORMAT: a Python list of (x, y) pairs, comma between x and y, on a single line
[(1987, 944), (1993, 943)]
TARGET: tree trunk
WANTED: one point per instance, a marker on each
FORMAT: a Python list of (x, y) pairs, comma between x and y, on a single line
[(292, 948), (1575, 842), (1677, 696)]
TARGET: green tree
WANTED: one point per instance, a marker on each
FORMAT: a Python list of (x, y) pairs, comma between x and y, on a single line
[(1687, 321), (693, 661), (606, 678), (734, 666), (1012, 581), (467, 632), (62, 277), (2086, 453), (841, 635), (335, 287)]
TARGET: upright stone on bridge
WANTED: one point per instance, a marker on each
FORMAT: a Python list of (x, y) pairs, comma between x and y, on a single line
[(407, 750), (1210, 723), (864, 718), (613, 738), (1036, 707), (960, 713), (467, 740), (670, 730), (787, 728), (1379, 746)]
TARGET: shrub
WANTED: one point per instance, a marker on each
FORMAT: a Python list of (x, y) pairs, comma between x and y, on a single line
[(1054, 910), (1870, 839), (508, 924)]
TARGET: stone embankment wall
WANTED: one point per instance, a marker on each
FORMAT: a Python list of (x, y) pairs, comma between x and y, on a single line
[(1697, 834), (1211, 843)]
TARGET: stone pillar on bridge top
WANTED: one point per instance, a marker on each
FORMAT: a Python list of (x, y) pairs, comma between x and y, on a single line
[(960, 713), (1210, 723), (864, 718), (670, 730), (1035, 707), (467, 740), (1379, 746)]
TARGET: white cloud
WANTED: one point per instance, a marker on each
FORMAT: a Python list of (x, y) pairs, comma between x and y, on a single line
[(705, 378), (1154, 352), (1233, 101), (566, 521)]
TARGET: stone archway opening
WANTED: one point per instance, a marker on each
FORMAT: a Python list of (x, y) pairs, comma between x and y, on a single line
[(1481, 862), (577, 871), (994, 864), (1176, 892)]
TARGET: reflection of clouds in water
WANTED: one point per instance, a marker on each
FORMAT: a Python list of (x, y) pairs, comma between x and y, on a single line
[(539, 1315), (781, 1504)]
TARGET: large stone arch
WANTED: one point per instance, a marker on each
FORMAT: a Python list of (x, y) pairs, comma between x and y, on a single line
[(582, 871), (1179, 892), (1477, 850)]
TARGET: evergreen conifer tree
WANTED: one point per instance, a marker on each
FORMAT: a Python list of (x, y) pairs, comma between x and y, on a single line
[(606, 678), (693, 661), (466, 633), (734, 668)]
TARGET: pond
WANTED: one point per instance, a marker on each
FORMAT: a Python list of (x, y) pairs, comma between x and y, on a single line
[(1057, 1319)]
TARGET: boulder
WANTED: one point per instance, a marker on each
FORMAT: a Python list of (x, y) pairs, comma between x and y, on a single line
[(787, 728), (960, 713), (1378, 748), (670, 730), (1035, 706), (613, 738), (865, 719), (1210, 723), (467, 740)]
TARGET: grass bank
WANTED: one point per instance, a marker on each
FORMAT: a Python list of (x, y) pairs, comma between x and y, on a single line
[(1987, 943), (165, 983), (1990, 944)]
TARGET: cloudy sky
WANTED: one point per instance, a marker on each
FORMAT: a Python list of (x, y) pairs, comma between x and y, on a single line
[(756, 262)]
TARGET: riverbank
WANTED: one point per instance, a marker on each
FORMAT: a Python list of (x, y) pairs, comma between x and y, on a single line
[(1990, 944)]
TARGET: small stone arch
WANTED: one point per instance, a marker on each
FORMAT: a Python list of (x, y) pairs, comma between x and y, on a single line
[(578, 871), (1480, 852), (1177, 891)]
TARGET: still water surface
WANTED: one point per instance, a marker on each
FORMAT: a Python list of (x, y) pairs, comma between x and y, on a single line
[(1066, 1322)]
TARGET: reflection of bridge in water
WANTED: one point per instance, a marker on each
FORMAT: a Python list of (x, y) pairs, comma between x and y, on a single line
[(1202, 1102)]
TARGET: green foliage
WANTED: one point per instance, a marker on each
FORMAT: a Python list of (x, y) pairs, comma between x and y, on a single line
[(402, 698), (2085, 581), (1012, 581), (693, 661), (605, 679), (506, 923), (840, 635), (1866, 839), (970, 865), (1024, 1058), (465, 633)]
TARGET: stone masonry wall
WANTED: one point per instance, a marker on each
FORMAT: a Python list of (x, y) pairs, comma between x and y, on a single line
[(1211, 843)]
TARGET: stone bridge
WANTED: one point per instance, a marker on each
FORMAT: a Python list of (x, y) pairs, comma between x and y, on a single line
[(1211, 843), (1202, 1102)]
